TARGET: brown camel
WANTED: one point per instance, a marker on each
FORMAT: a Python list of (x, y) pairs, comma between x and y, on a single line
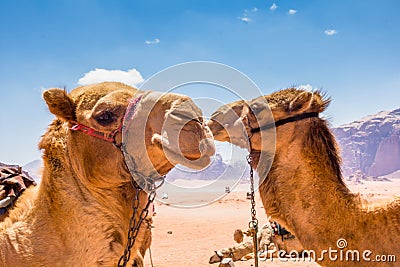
[(304, 189), (79, 215), (271, 241)]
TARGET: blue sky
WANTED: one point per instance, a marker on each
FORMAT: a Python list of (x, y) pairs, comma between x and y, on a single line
[(54, 43)]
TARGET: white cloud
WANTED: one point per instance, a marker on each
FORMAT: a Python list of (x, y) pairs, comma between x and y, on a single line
[(131, 77), (273, 7), (306, 87), (155, 41), (292, 11), (245, 19), (330, 32)]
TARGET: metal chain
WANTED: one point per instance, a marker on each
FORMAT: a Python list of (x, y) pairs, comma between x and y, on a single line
[(253, 224), (134, 226)]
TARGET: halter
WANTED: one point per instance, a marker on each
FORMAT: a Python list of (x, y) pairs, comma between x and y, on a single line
[(143, 182), (110, 137), (284, 121)]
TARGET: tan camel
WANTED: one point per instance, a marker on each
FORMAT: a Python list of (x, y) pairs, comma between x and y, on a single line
[(79, 215), (271, 241), (304, 189)]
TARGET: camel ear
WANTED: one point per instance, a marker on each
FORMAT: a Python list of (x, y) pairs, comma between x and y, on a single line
[(60, 104), (302, 102)]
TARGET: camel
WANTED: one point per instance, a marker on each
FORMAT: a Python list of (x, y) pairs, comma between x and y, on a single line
[(243, 250), (304, 189), (271, 241), (80, 213)]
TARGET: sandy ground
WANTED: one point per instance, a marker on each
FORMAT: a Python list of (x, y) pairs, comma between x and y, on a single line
[(189, 236)]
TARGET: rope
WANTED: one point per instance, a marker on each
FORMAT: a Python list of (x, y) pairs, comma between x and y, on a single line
[(151, 258)]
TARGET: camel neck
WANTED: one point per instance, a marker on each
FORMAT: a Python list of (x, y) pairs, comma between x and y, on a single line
[(306, 180), (100, 217), (305, 192)]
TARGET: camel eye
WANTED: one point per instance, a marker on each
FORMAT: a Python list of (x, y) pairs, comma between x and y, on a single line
[(105, 118)]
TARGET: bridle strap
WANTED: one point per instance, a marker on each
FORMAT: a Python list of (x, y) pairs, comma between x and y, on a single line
[(109, 137), (284, 121), (130, 112)]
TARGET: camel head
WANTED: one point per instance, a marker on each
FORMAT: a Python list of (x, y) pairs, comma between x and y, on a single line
[(226, 124), (290, 102), (258, 116), (165, 130), (285, 105)]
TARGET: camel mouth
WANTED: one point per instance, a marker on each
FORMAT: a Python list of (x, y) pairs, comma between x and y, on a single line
[(215, 127), (233, 132), (218, 131), (175, 156)]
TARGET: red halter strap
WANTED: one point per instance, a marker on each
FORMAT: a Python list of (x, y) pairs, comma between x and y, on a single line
[(109, 137)]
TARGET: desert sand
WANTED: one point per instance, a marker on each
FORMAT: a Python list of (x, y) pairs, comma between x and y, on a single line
[(189, 236)]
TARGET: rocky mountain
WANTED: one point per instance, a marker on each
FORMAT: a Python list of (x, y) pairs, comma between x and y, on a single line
[(371, 145), (218, 169)]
